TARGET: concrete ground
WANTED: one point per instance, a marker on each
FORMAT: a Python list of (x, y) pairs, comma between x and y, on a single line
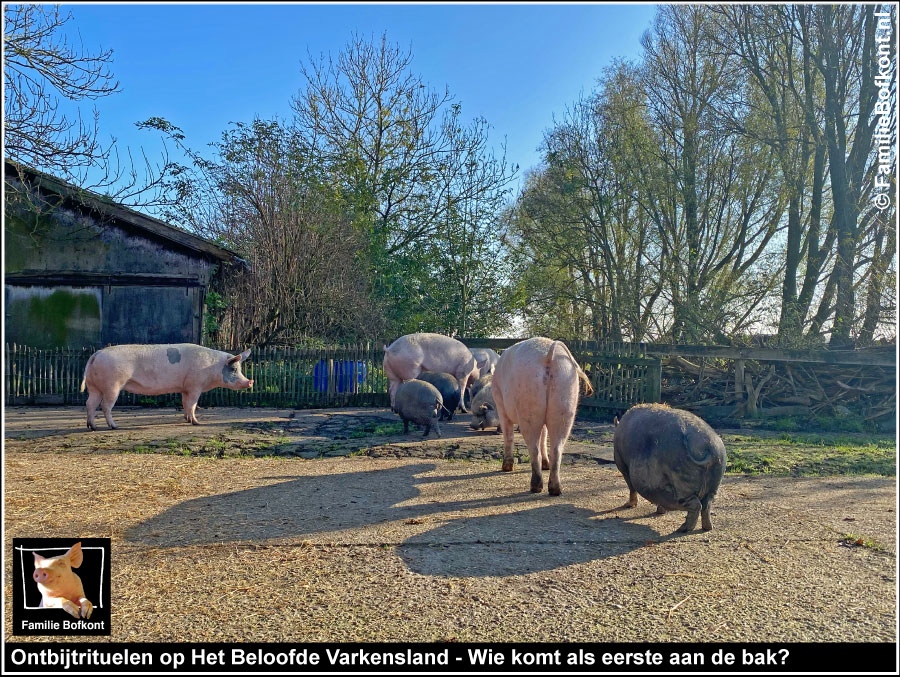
[(210, 546)]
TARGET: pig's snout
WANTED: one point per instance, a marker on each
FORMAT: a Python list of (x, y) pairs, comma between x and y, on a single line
[(250, 383), (40, 576)]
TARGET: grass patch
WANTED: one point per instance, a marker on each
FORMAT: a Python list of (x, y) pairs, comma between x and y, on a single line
[(856, 541), (812, 454), (846, 424), (376, 428)]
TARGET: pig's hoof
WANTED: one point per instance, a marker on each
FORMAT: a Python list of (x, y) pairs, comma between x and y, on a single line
[(661, 510), (554, 490), (507, 466), (626, 506), (195, 422), (71, 609), (86, 609), (545, 465), (537, 485)]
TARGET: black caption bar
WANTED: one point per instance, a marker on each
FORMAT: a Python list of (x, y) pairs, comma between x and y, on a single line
[(21, 657)]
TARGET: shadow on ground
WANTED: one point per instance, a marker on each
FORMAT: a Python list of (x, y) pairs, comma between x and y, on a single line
[(510, 541), (521, 542), (302, 506)]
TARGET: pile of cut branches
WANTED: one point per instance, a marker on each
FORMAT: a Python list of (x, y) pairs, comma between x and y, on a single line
[(748, 388)]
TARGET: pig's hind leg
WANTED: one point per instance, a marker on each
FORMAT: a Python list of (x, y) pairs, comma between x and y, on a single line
[(534, 436), (693, 507), (506, 427), (623, 468), (557, 443), (93, 401), (107, 403), (189, 402), (706, 520)]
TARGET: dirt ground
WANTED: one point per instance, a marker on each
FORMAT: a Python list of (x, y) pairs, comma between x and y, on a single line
[(330, 525)]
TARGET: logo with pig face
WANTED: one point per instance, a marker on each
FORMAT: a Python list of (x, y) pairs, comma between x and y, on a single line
[(59, 585), (50, 598)]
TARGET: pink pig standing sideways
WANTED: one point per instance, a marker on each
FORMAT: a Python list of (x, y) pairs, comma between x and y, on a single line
[(183, 368), (60, 586), (410, 355), (536, 385)]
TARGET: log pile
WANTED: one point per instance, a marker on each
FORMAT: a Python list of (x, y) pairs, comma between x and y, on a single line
[(749, 389)]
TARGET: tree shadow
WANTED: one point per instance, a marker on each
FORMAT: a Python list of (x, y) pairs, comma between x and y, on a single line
[(522, 542)]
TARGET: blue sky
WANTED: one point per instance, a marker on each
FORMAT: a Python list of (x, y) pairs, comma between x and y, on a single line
[(204, 66)]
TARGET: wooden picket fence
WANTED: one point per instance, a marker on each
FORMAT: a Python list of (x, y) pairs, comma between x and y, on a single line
[(331, 376), (621, 374)]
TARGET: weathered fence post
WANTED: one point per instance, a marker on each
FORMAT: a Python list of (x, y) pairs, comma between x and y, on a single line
[(738, 387), (654, 381)]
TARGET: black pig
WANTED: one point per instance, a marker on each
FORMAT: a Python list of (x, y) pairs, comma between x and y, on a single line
[(670, 457)]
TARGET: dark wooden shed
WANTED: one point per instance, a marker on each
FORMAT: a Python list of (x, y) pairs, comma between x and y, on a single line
[(82, 270)]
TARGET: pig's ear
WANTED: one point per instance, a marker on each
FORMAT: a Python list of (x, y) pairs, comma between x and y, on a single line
[(75, 556), (38, 559), (237, 358)]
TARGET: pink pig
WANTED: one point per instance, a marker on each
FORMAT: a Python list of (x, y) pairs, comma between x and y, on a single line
[(536, 385), (183, 368), (60, 586), (410, 355)]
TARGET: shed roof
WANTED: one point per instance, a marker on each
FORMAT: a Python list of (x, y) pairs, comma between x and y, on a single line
[(130, 217)]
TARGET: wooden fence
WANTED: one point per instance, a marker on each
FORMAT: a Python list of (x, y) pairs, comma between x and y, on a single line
[(333, 376)]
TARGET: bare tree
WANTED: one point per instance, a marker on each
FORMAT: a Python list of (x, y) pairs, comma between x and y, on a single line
[(44, 69), (265, 196), (717, 205), (844, 49), (379, 127)]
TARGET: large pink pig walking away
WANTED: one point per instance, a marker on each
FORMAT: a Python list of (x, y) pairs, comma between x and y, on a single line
[(410, 355), (60, 586), (536, 385), (183, 368)]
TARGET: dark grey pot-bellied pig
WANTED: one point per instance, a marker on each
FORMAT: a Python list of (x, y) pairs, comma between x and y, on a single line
[(670, 457), (484, 411), (448, 387), (419, 402), (476, 387)]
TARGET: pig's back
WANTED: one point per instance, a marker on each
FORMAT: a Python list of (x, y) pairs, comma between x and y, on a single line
[(520, 376), (435, 352), (151, 368)]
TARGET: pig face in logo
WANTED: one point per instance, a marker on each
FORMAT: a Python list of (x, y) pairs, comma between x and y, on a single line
[(60, 586)]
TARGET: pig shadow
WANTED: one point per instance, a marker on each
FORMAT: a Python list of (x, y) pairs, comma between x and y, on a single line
[(304, 506), (521, 542)]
